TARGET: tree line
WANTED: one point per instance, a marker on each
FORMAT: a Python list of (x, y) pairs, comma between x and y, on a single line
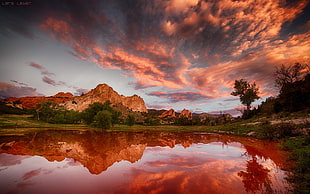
[(100, 115), (293, 82)]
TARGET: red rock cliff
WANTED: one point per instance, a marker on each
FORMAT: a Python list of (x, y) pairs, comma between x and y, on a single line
[(30, 102), (185, 113), (168, 113), (102, 93)]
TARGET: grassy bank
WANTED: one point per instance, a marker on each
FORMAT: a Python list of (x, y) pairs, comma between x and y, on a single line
[(20, 124), (262, 128)]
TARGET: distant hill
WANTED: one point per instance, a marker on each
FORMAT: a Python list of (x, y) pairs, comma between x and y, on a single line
[(101, 93)]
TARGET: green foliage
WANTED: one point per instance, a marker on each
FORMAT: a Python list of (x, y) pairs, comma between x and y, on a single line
[(103, 119), (66, 117), (300, 149), (45, 111), (130, 120), (247, 92), (4, 109), (277, 131), (183, 121), (89, 114), (151, 121), (196, 120), (51, 112)]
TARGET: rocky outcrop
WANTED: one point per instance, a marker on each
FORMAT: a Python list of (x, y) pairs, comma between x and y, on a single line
[(185, 113), (167, 114), (102, 93), (171, 113), (30, 102), (63, 95)]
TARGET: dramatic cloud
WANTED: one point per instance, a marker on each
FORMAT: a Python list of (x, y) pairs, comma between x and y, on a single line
[(192, 45), (180, 96), (180, 53), (10, 90)]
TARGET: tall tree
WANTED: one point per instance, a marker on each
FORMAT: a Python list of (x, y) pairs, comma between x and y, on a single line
[(248, 92), (293, 82), (290, 74)]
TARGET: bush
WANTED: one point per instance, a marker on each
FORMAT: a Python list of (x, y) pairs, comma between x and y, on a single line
[(89, 114), (277, 131), (130, 120), (103, 119), (300, 149)]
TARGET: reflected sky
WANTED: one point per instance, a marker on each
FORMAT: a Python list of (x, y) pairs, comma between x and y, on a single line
[(139, 163)]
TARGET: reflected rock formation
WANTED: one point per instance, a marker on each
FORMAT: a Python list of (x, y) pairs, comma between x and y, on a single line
[(97, 151)]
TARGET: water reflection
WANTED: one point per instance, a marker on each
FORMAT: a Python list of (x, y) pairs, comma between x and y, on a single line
[(144, 162)]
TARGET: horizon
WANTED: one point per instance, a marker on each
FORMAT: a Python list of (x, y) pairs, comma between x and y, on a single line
[(174, 54)]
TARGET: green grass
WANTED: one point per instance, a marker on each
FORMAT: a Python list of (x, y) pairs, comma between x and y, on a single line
[(299, 147), (21, 124)]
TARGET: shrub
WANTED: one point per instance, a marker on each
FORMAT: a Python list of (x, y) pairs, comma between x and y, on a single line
[(130, 120), (277, 131), (103, 119), (300, 149)]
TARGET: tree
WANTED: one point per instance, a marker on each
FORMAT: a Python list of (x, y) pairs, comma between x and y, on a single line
[(103, 119), (248, 92), (130, 120), (90, 112), (46, 110), (290, 74)]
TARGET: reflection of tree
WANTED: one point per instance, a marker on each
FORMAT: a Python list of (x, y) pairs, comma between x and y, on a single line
[(255, 176)]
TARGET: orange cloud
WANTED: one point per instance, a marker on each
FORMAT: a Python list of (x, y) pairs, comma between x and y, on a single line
[(194, 44)]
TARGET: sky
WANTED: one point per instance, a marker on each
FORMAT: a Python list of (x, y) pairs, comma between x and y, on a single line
[(173, 53)]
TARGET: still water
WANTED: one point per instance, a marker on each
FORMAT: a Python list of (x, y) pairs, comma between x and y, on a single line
[(139, 162)]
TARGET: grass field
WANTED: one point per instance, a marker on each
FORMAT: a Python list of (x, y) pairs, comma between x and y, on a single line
[(23, 123)]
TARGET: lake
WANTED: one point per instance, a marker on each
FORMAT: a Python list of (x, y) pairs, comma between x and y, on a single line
[(139, 162)]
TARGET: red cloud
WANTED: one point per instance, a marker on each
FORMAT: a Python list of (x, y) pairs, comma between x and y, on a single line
[(200, 45), (37, 66), (180, 96), (43, 70)]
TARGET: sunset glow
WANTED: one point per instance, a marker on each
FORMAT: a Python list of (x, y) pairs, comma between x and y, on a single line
[(174, 54)]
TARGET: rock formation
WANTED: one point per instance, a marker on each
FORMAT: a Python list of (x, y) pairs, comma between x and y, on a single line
[(185, 113), (171, 113), (30, 102), (63, 95), (102, 93), (168, 113)]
